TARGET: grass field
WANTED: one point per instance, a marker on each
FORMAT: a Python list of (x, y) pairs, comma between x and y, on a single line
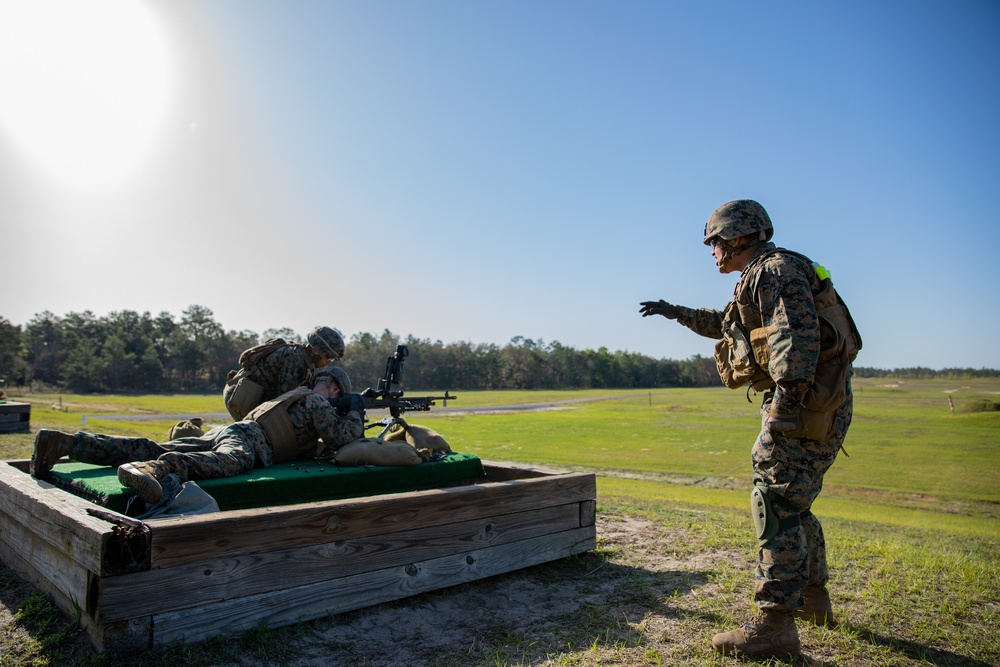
[(912, 518)]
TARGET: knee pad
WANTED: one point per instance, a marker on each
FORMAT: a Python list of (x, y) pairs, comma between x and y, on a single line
[(765, 523)]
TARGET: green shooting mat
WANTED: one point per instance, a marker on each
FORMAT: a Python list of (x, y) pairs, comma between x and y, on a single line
[(284, 483)]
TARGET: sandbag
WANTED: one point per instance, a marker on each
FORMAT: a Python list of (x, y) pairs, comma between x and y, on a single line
[(377, 452), (420, 437), (189, 428)]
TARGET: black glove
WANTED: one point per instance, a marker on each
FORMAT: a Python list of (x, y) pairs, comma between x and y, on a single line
[(348, 402), (660, 307)]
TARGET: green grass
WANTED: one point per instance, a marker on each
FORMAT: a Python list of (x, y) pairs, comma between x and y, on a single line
[(912, 519), (912, 462)]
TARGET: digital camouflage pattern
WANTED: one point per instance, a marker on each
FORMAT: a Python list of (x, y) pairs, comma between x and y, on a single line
[(327, 341), (313, 417), (776, 292), (738, 218), (224, 451), (284, 369), (792, 469), (778, 289)]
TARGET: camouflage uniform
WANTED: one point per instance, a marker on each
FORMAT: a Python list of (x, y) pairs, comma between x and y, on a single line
[(284, 369), (225, 451), (780, 287)]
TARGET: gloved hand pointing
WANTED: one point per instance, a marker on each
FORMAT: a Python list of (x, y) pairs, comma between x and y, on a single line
[(660, 307)]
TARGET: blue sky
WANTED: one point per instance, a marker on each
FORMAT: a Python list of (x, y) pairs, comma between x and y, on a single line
[(477, 171)]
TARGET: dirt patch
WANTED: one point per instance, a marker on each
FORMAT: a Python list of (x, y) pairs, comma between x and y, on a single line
[(525, 617)]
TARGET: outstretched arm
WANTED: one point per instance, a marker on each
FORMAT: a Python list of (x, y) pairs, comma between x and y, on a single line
[(661, 307), (703, 321)]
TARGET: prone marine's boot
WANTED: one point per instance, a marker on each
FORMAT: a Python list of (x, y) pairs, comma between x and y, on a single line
[(144, 477), (50, 446), (817, 608), (771, 633)]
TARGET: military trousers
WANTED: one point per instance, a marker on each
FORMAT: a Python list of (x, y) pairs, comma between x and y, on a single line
[(792, 470), (223, 451)]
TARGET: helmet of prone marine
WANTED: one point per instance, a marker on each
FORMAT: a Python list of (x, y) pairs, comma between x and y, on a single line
[(338, 374), (738, 218), (328, 341)]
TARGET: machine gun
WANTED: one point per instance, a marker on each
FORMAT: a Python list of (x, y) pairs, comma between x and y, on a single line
[(384, 397)]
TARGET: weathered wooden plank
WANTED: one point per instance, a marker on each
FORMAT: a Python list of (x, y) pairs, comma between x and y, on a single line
[(96, 632), (340, 554), (588, 512), (334, 596), (188, 539), (15, 417), (45, 567), (501, 471), (135, 634), (215, 580), (54, 516)]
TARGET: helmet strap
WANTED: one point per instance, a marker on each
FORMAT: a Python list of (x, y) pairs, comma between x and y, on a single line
[(730, 251)]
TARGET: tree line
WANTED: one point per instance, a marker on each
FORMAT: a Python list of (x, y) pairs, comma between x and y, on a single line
[(130, 352)]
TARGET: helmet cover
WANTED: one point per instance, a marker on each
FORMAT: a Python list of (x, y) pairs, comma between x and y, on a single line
[(338, 374), (328, 341), (738, 218)]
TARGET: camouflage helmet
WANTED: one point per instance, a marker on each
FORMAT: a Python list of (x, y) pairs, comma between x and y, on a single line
[(339, 376), (327, 341), (738, 218)]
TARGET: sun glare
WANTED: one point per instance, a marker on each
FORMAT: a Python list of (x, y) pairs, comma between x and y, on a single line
[(83, 86)]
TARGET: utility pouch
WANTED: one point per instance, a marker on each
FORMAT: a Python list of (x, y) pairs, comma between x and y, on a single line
[(830, 307), (734, 354), (829, 386), (761, 381), (813, 424), (758, 343), (245, 396), (277, 425), (724, 364)]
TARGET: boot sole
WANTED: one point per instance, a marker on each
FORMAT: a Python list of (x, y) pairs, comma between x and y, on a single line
[(43, 457), (145, 486)]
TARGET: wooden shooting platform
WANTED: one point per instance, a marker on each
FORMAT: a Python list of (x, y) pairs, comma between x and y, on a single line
[(14, 416), (139, 584)]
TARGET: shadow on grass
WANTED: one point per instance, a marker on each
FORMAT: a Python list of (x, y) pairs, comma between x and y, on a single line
[(916, 650)]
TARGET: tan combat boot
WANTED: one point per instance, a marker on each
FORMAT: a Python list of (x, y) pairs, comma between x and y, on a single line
[(144, 477), (771, 633), (50, 446), (817, 607)]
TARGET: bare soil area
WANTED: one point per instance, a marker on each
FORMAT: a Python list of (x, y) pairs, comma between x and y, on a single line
[(524, 617), (613, 596)]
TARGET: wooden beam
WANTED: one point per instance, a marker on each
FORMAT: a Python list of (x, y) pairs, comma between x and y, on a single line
[(500, 471), (215, 580), (55, 517), (241, 532), (334, 596)]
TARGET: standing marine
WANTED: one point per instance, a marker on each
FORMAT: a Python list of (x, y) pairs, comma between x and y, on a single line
[(276, 366), (788, 334)]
